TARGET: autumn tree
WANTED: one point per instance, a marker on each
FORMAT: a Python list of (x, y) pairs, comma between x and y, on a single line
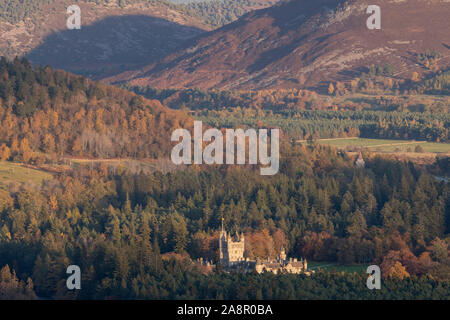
[(330, 89), (5, 152), (398, 271)]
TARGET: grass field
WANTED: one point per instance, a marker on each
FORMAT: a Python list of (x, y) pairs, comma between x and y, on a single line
[(382, 145), (358, 268), (132, 165), (15, 172)]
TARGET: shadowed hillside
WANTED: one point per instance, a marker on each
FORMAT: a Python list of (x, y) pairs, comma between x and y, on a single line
[(114, 35), (111, 45)]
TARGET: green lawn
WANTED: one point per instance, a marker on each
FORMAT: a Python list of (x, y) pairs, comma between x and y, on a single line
[(332, 266), (133, 165), (384, 145), (15, 172)]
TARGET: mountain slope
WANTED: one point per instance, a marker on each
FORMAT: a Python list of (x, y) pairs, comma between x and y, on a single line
[(114, 36), (304, 43)]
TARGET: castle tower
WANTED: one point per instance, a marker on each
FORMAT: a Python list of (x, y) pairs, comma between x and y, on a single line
[(283, 254), (236, 248), (223, 247), (242, 239), (230, 251)]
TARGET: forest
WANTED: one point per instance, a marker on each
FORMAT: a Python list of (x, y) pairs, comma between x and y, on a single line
[(138, 234), (18, 10), (221, 12), (301, 114), (46, 114), (306, 124), (215, 13)]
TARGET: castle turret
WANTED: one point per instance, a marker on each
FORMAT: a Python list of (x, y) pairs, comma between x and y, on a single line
[(223, 252), (282, 254)]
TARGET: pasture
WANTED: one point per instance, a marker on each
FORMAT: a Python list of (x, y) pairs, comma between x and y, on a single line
[(11, 172), (386, 145)]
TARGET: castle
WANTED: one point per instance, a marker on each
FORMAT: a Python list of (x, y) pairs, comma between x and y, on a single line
[(231, 257)]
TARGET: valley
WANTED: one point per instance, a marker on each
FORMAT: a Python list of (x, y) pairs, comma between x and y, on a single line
[(88, 129)]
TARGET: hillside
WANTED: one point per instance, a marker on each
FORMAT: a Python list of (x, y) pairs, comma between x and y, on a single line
[(114, 36), (308, 44), (46, 115)]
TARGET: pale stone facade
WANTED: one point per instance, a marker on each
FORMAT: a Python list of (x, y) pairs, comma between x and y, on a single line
[(231, 251)]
